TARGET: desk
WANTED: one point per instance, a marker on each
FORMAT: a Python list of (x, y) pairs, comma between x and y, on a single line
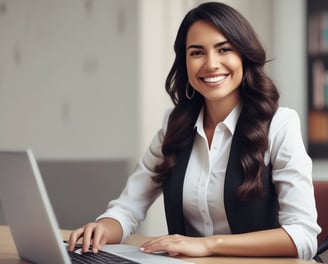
[(8, 253)]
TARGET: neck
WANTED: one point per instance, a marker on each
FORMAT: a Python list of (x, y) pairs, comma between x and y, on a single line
[(214, 114)]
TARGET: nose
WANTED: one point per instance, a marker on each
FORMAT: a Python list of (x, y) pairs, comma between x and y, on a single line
[(212, 61)]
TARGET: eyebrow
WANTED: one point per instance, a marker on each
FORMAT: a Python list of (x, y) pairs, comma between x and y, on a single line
[(219, 44)]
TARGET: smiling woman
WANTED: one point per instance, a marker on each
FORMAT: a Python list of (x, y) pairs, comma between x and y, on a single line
[(230, 162)]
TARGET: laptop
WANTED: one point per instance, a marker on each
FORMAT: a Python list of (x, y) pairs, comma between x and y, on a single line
[(33, 224)]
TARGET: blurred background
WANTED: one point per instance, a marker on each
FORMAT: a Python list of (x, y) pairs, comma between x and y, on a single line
[(82, 82)]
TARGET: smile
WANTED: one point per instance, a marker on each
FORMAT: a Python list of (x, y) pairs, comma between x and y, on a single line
[(214, 79)]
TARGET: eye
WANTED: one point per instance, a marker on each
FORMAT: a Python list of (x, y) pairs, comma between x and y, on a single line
[(224, 49), (196, 53)]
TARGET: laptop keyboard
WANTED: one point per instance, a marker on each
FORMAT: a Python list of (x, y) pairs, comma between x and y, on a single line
[(101, 257)]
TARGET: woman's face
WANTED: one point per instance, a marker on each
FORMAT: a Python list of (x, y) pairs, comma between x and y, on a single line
[(214, 66)]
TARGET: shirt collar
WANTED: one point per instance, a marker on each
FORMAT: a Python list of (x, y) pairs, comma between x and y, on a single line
[(230, 121)]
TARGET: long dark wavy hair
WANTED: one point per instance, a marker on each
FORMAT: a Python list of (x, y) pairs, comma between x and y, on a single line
[(258, 94)]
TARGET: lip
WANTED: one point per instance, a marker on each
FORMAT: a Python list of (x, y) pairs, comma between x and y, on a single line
[(214, 78)]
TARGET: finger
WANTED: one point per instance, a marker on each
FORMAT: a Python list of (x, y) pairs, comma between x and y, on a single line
[(158, 244), (173, 254), (74, 237), (153, 241), (98, 239), (87, 236)]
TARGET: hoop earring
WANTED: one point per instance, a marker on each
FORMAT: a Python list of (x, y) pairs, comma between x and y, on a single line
[(189, 97)]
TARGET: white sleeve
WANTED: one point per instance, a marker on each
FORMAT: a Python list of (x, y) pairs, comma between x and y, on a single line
[(292, 176), (140, 191)]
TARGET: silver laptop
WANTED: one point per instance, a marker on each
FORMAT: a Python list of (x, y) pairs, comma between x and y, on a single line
[(32, 221)]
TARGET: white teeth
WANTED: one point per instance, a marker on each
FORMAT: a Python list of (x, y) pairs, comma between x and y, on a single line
[(214, 79)]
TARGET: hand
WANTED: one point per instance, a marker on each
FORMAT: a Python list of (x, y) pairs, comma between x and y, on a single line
[(97, 234), (92, 233), (179, 245)]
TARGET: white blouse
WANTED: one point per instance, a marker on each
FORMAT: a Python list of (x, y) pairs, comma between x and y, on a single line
[(204, 181)]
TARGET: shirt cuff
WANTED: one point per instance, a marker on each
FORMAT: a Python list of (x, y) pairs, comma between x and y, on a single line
[(126, 231), (304, 240)]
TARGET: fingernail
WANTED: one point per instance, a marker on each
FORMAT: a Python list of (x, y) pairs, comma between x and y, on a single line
[(142, 249)]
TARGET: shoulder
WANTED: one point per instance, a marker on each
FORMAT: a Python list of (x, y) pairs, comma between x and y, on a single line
[(283, 118), (285, 132), (285, 139), (284, 113)]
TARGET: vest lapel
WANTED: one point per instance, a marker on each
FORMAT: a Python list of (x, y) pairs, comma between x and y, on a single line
[(173, 193), (252, 215)]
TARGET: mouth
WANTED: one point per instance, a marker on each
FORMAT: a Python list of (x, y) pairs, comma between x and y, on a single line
[(214, 79)]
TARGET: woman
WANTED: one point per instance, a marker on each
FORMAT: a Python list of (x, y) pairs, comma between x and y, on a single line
[(231, 164)]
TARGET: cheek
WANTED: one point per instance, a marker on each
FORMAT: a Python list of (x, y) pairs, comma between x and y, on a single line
[(191, 69), (237, 67)]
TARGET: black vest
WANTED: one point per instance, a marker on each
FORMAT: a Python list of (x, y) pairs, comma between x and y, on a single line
[(243, 216)]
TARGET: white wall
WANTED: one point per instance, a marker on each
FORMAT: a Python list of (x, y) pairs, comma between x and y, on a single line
[(68, 77), (289, 49)]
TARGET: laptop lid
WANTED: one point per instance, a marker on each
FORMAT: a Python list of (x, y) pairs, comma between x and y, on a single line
[(28, 210)]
